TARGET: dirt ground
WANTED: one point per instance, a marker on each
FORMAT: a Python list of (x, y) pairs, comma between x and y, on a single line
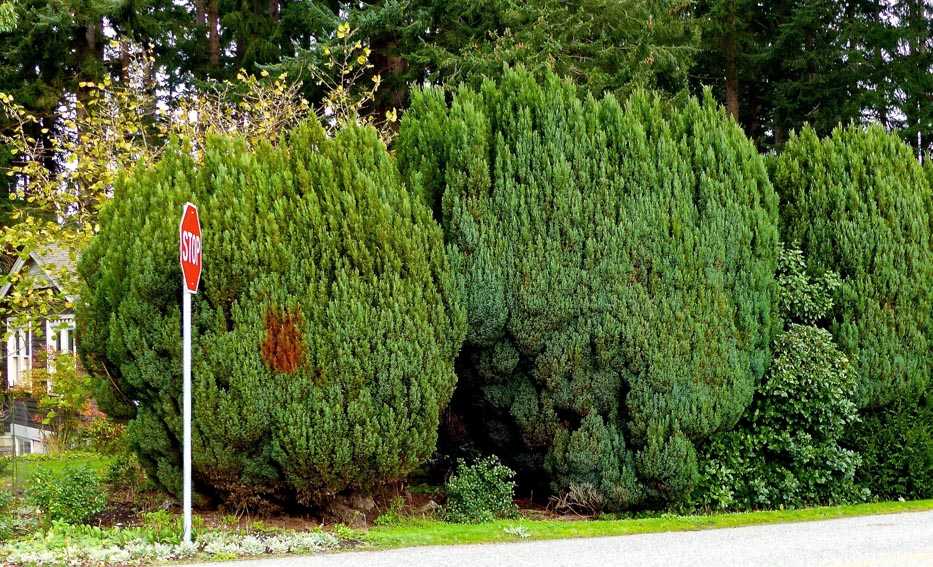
[(127, 509)]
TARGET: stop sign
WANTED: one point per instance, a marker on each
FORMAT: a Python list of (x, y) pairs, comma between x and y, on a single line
[(189, 246)]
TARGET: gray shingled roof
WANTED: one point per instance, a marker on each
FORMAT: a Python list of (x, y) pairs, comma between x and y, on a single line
[(55, 258), (50, 259)]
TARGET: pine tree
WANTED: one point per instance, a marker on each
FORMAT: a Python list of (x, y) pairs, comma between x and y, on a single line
[(324, 333), (617, 270), (606, 45)]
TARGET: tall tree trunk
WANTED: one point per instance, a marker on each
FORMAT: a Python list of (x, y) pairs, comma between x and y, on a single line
[(730, 54), (90, 56), (396, 66), (780, 136), (124, 62), (391, 66), (213, 33), (200, 12)]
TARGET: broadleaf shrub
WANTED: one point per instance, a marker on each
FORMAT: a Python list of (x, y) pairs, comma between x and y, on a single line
[(125, 473), (6, 515), (73, 495), (480, 492), (859, 203), (789, 454), (325, 329), (617, 263), (787, 451)]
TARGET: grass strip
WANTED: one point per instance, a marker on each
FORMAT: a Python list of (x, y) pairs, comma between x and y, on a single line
[(27, 466), (414, 533)]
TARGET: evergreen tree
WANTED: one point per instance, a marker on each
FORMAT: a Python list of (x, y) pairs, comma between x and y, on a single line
[(324, 333), (909, 71), (782, 64), (606, 45), (617, 269)]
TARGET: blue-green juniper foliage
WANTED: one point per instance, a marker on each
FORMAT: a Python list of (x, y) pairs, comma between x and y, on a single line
[(325, 330), (616, 261)]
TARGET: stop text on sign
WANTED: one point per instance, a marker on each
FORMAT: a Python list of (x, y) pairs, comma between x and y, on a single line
[(189, 247)]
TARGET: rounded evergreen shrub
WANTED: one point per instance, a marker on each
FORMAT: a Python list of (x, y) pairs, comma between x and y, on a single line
[(896, 445), (325, 330), (617, 264), (858, 203)]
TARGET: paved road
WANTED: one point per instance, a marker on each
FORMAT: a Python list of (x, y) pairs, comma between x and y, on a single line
[(870, 541)]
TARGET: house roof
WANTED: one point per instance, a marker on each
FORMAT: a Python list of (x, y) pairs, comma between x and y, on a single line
[(51, 260)]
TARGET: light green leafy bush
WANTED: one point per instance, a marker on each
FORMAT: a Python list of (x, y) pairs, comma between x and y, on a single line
[(125, 473), (787, 450), (789, 454), (480, 492), (325, 329), (617, 264), (393, 513), (73, 495), (6, 514)]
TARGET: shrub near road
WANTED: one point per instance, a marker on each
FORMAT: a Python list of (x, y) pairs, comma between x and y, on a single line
[(859, 203), (617, 264), (786, 451), (324, 332)]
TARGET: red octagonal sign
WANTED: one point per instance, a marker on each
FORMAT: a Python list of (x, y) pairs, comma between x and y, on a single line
[(189, 246)]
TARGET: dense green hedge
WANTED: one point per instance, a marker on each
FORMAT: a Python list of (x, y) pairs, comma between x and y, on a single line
[(617, 269), (325, 331), (859, 203)]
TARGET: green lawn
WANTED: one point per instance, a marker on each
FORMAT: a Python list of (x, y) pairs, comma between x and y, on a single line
[(433, 532), (28, 465)]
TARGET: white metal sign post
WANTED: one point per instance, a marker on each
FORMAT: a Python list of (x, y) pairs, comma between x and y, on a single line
[(189, 254)]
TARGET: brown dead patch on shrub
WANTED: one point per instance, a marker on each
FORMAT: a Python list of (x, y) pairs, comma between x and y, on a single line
[(283, 349)]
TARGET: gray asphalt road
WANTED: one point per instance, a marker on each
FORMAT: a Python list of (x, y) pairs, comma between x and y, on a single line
[(890, 540)]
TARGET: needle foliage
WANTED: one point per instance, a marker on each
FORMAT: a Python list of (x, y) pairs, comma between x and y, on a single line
[(325, 330), (616, 261)]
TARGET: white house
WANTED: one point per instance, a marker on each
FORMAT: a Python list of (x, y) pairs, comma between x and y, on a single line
[(28, 347)]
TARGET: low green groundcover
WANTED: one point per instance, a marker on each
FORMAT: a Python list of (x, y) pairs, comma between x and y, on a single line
[(64, 544)]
